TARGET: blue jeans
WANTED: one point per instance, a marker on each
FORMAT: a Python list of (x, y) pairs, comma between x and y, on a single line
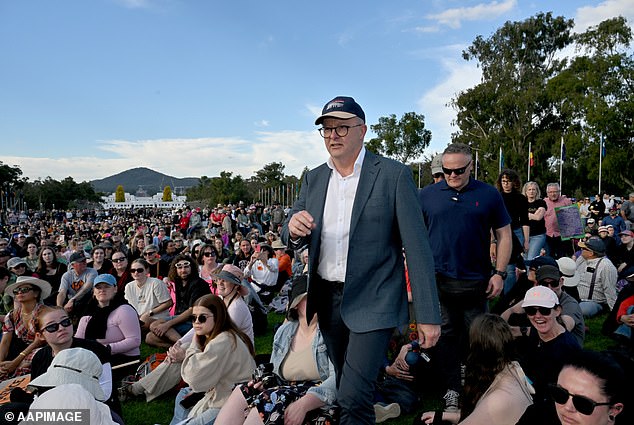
[(625, 330), (208, 417), (535, 245), (590, 308), (510, 280)]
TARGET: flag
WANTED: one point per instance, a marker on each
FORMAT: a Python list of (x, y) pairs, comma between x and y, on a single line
[(563, 151), (602, 147), (531, 160)]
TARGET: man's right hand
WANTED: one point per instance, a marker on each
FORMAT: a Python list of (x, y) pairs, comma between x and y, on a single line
[(301, 224)]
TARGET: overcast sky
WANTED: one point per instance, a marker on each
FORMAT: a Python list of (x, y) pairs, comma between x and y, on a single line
[(194, 87)]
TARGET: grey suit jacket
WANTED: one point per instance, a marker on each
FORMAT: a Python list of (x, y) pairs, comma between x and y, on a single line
[(385, 219)]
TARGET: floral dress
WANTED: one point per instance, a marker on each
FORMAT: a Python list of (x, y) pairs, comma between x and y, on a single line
[(23, 335)]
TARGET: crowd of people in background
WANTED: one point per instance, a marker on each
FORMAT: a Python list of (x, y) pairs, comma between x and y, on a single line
[(198, 282)]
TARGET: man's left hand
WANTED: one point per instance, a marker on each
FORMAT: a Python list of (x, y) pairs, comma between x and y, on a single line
[(496, 284), (428, 334)]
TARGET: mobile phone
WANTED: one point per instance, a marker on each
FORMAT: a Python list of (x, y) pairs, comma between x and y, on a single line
[(257, 247)]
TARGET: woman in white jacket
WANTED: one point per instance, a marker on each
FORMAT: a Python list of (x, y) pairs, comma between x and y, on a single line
[(219, 357)]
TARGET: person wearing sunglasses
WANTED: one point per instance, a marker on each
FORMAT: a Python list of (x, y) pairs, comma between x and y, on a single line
[(464, 216), (148, 295), (219, 357), (591, 389), (497, 391), (549, 275), (19, 341), (209, 265), (544, 347), (157, 267), (55, 327), (186, 286), (121, 270)]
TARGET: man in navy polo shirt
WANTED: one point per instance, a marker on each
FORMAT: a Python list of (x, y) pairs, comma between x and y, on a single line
[(461, 214)]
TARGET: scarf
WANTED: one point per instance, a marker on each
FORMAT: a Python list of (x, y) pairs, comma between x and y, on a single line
[(98, 323)]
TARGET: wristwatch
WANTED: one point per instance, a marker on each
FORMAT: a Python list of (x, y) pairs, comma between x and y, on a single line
[(501, 274)]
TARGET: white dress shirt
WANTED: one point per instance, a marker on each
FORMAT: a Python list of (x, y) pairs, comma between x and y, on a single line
[(333, 255)]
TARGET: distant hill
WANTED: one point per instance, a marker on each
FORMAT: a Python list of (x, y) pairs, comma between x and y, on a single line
[(143, 182)]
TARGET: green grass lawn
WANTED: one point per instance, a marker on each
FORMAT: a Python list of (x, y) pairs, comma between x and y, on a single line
[(160, 411)]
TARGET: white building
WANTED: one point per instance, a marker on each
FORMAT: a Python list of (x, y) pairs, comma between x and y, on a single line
[(132, 201)]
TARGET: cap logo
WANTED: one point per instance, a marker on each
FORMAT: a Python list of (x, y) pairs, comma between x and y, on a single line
[(335, 104)]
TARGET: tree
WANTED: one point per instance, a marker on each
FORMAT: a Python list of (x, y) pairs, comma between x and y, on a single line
[(119, 194), (65, 194), (528, 95), (220, 190), (511, 107), (402, 140), (596, 93), (167, 194), (10, 186)]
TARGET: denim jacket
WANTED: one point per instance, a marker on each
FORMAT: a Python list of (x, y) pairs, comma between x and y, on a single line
[(326, 391)]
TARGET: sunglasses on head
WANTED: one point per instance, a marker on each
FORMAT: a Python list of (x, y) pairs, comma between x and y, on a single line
[(22, 290), (53, 327), (118, 260), (182, 265), (456, 171), (544, 311), (583, 404), (200, 318)]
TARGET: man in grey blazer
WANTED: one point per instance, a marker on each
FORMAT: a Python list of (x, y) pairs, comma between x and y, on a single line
[(358, 215)]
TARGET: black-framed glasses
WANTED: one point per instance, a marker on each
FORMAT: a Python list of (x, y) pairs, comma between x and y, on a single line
[(118, 260), (54, 327), (209, 254), (183, 265), (583, 404), (200, 318), (22, 290), (139, 270), (341, 130), (456, 171), (544, 311)]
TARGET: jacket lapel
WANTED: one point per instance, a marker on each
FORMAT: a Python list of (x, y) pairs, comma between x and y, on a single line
[(369, 173)]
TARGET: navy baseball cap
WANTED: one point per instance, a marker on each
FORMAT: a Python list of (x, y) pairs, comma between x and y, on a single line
[(341, 107)]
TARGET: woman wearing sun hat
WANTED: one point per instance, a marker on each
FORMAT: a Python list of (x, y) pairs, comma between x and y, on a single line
[(546, 344), (18, 344)]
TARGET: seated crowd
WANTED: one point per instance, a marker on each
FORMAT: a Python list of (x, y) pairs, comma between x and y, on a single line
[(75, 315)]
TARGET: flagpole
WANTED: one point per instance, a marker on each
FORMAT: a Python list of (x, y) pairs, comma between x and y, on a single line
[(528, 178), (561, 162), (476, 165), (500, 162), (600, 161)]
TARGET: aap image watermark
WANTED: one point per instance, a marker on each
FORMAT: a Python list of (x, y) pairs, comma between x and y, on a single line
[(50, 416)]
